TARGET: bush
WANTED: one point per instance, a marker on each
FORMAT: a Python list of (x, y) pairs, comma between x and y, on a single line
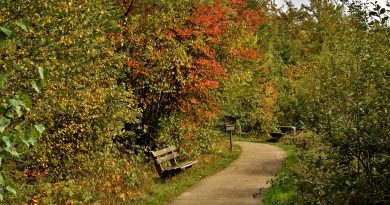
[(81, 104)]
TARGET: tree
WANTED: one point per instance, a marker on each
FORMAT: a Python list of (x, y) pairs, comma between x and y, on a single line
[(81, 103)]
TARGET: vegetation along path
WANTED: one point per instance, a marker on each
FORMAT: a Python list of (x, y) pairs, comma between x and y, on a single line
[(237, 183)]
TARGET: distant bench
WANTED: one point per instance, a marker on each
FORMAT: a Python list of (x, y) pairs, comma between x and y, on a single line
[(165, 168), (286, 129), (275, 136)]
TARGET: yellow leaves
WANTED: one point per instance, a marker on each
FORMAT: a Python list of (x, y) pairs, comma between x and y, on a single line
[(35, 199), (122, 196), (297, 71), (66, 40), (101, 39)]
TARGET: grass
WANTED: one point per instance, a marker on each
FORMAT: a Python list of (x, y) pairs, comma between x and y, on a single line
[(251, 137), (161, 191), (282, 190)]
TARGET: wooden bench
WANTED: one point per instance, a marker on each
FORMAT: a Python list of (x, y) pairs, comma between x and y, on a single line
[(287, 129), (275, 136), (166, 164)]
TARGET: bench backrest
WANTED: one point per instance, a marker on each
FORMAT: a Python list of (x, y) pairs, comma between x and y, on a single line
[(165, 155), (287, 128)]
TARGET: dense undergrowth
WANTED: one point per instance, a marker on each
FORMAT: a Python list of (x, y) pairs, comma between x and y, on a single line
[(122, 180), (308, 175), (332, 68)]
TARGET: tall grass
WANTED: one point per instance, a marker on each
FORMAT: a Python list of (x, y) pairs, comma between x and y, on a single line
[(282, 190)]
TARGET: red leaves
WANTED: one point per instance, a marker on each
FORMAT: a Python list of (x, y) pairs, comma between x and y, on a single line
[(186, 32), (207, 50), (186, 82), (211, 24), (132, 63), (252, 19), (194, 101), (271, 95), (208, 84), (246, 53), (212, 18), (203, 78), (241, 3), (210, 68)]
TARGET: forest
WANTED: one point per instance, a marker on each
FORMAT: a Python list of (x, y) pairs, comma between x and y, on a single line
[(89, 88)]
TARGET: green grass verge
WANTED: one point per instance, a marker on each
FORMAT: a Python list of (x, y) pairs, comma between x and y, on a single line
[(251, 137), (282, 190), (163, 191)]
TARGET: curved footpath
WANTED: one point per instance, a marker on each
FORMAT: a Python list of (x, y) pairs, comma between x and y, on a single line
[(236, 184)]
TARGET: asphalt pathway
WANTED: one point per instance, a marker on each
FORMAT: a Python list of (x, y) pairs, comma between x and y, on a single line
[(235, 185)]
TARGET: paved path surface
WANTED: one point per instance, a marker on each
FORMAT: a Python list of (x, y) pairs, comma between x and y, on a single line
[(236, 184)]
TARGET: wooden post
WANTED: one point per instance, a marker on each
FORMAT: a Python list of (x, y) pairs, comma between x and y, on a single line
[(231, 129), (231, 142)]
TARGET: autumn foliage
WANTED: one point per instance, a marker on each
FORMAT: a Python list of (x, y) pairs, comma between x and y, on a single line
[(179, 68), (96, 80)]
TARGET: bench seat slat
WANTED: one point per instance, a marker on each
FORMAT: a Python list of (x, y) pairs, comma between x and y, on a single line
[(167, 157), (163, 151), (187, 164), (183, 165)]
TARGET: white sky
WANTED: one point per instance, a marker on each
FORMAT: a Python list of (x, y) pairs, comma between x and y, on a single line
[(298, 3)]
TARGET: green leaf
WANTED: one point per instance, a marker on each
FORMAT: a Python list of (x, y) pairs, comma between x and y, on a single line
[(1, 179), (40, 128), (1, 194), (4, 122), (34, 133), (19, 126), (36, 85), (11, 189), (19, 112), (12, 151), (22, 25), (27, 100), (382, 11), (42, 73), (26, 140), (7, 141), (16, 103), (7, 32), (3, 78), (33, 141)]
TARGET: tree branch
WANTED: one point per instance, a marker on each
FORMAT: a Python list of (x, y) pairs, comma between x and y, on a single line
[(129, 8)]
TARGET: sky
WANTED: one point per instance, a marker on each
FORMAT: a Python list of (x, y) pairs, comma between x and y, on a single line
[(298, 3)]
